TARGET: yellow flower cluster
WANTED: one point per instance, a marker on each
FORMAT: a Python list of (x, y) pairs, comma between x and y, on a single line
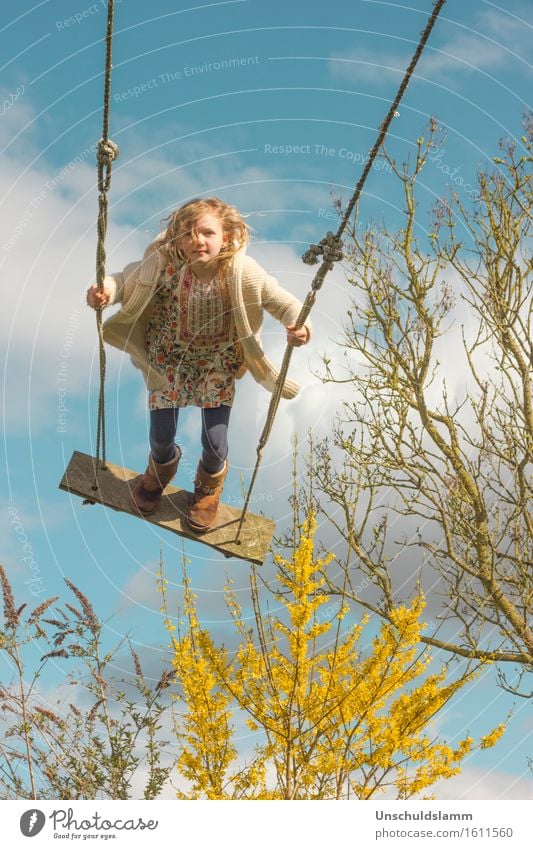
[(330, 720)]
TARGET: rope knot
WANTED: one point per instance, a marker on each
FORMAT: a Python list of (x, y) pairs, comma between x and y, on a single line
[(310, 257), (330, 247), (107, 152)]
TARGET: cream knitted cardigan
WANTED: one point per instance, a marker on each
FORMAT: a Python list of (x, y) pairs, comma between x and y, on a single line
[(251, 291)]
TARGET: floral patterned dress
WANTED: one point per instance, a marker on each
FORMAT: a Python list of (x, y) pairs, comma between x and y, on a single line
[(191, 338)]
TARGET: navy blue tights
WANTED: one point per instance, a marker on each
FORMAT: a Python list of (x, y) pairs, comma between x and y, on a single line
[(163, 425)]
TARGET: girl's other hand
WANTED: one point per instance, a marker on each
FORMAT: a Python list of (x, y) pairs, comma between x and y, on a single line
[(296, 338), (97, 299)]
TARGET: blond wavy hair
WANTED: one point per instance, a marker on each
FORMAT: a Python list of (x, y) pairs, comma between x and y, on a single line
[(183, 221)]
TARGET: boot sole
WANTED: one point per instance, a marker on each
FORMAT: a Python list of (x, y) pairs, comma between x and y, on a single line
[(140, 510), (198, 529)]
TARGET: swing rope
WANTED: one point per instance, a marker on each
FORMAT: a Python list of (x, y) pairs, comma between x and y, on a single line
[(330, 248), (107, 152)]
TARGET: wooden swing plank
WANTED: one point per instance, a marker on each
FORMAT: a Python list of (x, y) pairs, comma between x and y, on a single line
[(114, 489)]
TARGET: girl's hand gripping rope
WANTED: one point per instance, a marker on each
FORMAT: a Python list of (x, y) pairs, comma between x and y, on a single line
[(97, 299)]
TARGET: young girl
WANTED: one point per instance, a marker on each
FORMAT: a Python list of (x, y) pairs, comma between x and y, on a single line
[(190, 320)]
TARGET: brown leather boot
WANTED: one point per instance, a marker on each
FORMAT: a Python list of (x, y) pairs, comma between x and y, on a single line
[(207, 492), (148, 489)]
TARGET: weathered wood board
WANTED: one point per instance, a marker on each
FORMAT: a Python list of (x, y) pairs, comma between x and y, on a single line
[(114, 488)]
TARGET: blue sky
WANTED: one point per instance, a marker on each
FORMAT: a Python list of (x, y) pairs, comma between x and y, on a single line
[(268, 105)]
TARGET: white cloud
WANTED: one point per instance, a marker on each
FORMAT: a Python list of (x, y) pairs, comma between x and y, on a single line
[(47, 254), (140, 589), (47, 258), (369, 65), (477, 783), (498, 42), (496, 39), (21, 526)]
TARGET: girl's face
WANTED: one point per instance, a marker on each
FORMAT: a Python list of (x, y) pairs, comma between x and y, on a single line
[(202, 246)]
